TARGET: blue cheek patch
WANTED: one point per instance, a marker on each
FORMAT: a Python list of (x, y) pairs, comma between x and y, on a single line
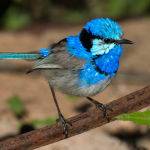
[(100, 48)]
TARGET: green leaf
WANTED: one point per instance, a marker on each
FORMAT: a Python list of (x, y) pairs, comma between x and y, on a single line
[(15, 19), (117, 8), (140, 8), (43, 122), (16, 106), (72, 16), (141, 118)]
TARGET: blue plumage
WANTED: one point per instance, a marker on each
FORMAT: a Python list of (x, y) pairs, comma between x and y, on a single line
[(81, 65), (75, 48), (28, 56), (109, 53), (109, 62), (104, 27), (44, 52), (98, 45), (89, 76)]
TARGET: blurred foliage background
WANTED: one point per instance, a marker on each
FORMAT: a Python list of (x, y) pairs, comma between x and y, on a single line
[(17, 14), (25, 102)]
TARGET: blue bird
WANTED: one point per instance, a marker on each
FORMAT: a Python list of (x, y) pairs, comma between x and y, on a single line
[(82, 64)]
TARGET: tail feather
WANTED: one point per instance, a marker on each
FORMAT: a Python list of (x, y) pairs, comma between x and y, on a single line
[(28, 56), (43, 52)]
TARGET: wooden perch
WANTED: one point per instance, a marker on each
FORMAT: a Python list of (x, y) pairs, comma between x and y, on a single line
[(80, 123)]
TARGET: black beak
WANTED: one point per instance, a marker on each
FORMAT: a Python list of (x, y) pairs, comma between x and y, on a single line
[(124, 41)]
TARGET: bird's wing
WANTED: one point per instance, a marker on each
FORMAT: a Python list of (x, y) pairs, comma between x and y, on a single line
[(59, 58)]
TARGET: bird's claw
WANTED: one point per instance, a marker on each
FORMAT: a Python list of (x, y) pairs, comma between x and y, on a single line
[(65, 124), (104, 108)]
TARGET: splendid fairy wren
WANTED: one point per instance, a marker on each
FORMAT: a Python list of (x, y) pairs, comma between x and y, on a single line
[(82, 64)]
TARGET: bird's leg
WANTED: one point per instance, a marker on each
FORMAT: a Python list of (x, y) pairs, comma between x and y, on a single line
[(100, 106), (61, 118)]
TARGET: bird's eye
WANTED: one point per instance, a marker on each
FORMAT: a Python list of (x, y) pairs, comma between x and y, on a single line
[(86, 39)]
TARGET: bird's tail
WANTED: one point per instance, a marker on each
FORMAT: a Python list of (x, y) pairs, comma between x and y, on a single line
[(28, 56), (43, 52)]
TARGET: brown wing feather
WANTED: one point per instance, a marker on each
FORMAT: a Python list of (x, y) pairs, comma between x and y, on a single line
[(59, 56)]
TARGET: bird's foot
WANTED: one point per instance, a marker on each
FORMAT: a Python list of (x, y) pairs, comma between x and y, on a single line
[(65, 124), (104, 108)]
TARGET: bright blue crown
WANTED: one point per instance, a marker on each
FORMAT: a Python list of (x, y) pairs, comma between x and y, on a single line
[(104, 27)]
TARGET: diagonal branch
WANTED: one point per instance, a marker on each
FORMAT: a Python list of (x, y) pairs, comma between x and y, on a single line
[(80, 123)]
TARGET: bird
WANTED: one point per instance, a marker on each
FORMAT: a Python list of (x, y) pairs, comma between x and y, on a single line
[(81, 65)]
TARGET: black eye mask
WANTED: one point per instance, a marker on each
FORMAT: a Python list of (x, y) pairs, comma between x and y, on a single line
[(86, 38)]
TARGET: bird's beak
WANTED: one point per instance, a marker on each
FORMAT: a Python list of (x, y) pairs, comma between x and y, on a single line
[(124, 41)]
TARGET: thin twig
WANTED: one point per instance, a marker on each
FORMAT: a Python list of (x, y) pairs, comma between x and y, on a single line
[(80, 123)]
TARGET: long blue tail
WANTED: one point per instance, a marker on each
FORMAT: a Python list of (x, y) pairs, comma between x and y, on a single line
[(43, 52), (19, 56)]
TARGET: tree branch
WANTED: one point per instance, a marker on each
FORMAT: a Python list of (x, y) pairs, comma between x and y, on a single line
[(80, 123)]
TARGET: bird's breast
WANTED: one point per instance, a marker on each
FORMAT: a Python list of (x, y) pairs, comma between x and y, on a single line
[(89, 75)]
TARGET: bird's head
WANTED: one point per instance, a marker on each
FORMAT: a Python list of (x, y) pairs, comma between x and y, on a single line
[(100, 44), (101, 35)]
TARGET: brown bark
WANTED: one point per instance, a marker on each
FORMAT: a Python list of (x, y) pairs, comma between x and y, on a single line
[(80, 123)]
